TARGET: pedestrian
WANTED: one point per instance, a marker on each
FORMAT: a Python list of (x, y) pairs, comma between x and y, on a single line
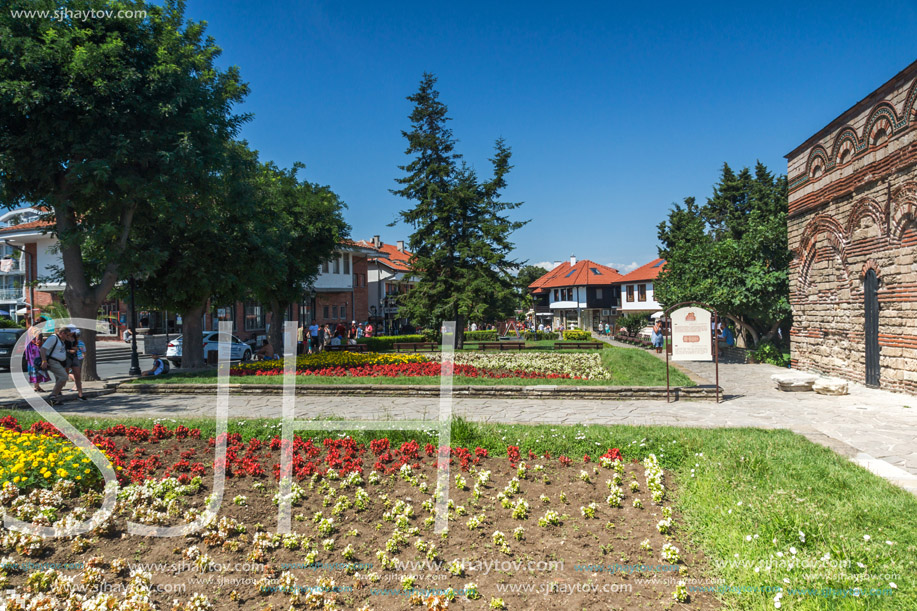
[(313, 338), (474, 327), (300, 339), (54, 358), (326, 339), (657, 336), (352, 333), (37, 375), (360, 331), (607, 329), (76, 363), (369, 329)]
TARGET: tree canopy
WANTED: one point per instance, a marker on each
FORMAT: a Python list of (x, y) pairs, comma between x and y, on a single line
[(732, 252), (104, 121), (460, 240)]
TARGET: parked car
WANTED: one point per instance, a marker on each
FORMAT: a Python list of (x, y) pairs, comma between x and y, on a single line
[(8, 339), (239, 350)]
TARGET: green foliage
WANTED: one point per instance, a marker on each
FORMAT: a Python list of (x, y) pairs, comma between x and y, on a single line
[(540, 335), (526, 275), (386, 342), (577, 336), (460, 238), (9, 323), (731, 253), (634, 323), (768, 352), (481, 336)]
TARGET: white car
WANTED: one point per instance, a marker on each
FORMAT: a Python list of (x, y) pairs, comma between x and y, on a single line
[(239, 350)]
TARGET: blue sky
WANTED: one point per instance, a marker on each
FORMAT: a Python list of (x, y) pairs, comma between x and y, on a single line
[(613, 110)]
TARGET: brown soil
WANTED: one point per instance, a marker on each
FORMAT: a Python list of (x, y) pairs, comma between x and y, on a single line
[(612, 538)]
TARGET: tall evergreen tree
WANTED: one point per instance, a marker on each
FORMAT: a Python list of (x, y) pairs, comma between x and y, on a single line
[(460, 243)]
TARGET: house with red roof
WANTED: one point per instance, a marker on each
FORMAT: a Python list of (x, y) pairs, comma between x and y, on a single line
[(637, 289), (390, 275), (28, 258), (577, 294)]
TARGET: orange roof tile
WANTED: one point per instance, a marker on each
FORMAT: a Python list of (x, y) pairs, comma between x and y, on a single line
[(645, 272), (583, 273), (27, 226), (398, 260)]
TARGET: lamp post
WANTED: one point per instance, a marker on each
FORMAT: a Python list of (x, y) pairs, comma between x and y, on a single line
[(135, 359), (31, 284)]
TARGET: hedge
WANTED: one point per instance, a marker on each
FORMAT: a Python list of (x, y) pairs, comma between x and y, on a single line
[(481, 336), (577, 336), (540, 335), (386, 342)]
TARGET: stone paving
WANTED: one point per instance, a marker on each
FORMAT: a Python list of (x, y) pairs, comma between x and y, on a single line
[(875, 428)]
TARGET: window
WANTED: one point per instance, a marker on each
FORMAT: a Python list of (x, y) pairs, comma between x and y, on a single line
[(596, 271), (641, 292), (254, 316), (598, 293), (325, 312), (347, 263), (630, 292), (570, 294), (325, 267), (337, 265), (556, 298)]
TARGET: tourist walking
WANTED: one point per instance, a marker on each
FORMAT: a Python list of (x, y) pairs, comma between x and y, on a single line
[(37, 375), (657, 336), (77, 352), (54, 358)]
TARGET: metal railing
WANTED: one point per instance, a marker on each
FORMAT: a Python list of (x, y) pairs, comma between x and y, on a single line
[(11, 294)]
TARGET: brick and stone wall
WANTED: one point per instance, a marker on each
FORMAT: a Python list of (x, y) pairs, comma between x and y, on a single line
[(853, 207)]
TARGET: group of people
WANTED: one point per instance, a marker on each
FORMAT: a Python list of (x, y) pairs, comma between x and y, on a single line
[(317, 338), (61, 353)]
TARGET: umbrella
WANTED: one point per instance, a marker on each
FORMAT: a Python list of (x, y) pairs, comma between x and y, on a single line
[(5, 312), (22, 311), (658, 315)]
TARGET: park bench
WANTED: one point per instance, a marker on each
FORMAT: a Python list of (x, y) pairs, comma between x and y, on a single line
[(498, 345), (578, 345), (349, 348), (414, 346)]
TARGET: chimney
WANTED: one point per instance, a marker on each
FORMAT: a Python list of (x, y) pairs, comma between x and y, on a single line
[(400, 245), (376, 241), (572, 260)]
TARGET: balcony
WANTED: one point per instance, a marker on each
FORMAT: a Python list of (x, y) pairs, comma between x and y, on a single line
[(14, 266), (10, 294), (542, 309)]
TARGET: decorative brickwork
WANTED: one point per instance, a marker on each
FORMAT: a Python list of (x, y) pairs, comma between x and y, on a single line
[(852, 209)]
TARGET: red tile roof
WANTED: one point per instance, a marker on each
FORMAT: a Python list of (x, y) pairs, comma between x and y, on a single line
[(645, 272), (584, 273), (27, 226), (398, 260)]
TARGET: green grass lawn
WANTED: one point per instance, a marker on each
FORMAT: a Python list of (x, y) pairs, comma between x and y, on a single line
[(748, 498), (628, 366)]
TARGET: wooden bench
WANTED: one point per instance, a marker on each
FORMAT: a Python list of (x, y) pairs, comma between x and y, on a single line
[(349, 348), (498, 345), (578, 345), (415, 347)]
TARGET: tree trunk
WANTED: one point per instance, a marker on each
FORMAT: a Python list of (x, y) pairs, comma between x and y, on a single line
[(743, 326), (192, 337), (275, 335), (82, 309)]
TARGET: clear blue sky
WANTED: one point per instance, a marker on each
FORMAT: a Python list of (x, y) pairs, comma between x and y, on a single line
[(613, 110)]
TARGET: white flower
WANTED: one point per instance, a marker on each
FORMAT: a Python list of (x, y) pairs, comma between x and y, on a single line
[(748, 537), (793, 550), (786, 580), (866, 537), (890, 542), (780, 554), (893, 585), (861, 565)]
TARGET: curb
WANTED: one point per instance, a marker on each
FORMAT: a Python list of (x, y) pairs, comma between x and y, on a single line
[(611, 393), (65, 398)]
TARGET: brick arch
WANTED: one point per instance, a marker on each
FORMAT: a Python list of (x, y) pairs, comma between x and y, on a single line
[(866, 207), (837, 238), (883, 115), (907, 111), (871, 265), (846, 140), (818, 152)]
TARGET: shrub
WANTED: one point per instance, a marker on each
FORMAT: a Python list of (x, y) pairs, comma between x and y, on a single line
[(632, 322), (8, 323), (577, 336), (540, 335), (767, 352), (481, 336), (386, 342)]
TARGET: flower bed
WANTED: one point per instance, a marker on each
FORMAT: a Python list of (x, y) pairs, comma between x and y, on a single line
[(362, 530), (535, 365)]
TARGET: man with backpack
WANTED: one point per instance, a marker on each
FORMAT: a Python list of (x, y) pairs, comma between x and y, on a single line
[(54, 358)]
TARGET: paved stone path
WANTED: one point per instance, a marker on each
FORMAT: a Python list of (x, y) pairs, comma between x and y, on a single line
[(875, 428)]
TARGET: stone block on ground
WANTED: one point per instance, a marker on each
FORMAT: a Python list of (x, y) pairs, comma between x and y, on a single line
[(794, 382), (830, 386)]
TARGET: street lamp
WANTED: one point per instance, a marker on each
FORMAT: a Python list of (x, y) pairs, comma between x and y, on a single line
[(135, 358), (31, 284)]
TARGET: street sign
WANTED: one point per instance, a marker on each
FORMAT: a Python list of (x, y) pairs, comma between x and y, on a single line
[(692, 334)]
